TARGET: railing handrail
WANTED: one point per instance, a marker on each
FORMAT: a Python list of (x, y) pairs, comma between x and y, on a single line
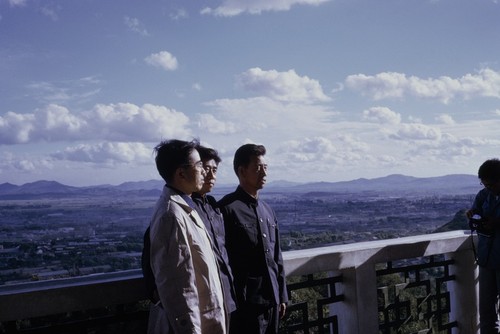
[(331, 258), (41, 298)]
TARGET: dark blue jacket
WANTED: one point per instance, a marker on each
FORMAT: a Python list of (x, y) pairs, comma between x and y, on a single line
[(487, 205), (253, 246), (214, 223)]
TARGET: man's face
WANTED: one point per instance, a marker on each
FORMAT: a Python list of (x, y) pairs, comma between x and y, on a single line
[(194, 173), (210, 167), (253, 176)]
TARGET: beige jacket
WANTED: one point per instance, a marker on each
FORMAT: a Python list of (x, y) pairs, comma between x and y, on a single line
[(185, 268)]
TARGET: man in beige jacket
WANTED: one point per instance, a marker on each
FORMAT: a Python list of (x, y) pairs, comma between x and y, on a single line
[(182, 260)]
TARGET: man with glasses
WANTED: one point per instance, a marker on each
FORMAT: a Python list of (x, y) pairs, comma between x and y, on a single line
[(486, 212), (206, 206), (181, 257), (252, 241)]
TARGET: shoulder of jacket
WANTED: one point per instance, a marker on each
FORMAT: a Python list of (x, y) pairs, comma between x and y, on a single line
[(226, 200)]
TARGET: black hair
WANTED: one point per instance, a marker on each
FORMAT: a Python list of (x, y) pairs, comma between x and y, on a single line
[(489, 170), (207, 153), (172, 154), (244, 154)]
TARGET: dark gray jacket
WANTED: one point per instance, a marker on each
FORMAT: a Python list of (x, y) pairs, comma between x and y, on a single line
[(253, 246), (214, 223), (487, 205)]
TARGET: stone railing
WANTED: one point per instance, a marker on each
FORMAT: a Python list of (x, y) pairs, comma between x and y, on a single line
[(409, 284)]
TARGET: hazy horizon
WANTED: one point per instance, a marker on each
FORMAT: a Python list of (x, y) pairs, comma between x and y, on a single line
[(235, 183)]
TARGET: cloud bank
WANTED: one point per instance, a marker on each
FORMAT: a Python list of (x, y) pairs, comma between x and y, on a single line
[(238, 7), (282, 86), (393, 85), (113, 122)]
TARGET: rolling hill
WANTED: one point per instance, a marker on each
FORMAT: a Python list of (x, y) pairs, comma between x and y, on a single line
[(391, 185)]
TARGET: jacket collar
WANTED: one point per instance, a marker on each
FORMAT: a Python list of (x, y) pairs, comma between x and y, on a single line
[(244, 196), (199, 198), (180, 198)]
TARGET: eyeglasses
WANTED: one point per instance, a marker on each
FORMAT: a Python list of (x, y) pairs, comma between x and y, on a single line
[(197, 165), (210, 169)]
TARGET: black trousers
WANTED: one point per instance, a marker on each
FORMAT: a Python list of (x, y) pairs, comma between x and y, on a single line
[(254, 319)]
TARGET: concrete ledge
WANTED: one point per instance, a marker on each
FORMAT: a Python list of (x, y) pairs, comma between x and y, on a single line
[(332, 258), (36, 299), (356, 262)]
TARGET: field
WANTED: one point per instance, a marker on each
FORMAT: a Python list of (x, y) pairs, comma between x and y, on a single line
[(49, 238)]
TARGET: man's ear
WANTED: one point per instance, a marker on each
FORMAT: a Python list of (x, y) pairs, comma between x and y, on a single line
[(180, 173), (241, 172)]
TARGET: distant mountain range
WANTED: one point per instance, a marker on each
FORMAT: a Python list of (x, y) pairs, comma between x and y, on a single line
[(392, 185), (457, 184)]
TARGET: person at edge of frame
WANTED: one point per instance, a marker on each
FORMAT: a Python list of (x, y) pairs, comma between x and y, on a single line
[(253, 246), (486, 211), (206, 205), (183, 264)]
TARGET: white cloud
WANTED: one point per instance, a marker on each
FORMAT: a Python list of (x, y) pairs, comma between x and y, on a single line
[(237, 7), (135, 25), (16, 128), (322, 157), (17, 3), (258, 115), (25, 163), (382, 115), (127, 121), (236, 110), (283, 86), (115, 122), (415, 131), (414, 119), (309, 149), (58, 122), (445, 119), (448, 148), (209, 123), (354, 144), (197, 86), (162, 59), (485, 83), (107, 153)]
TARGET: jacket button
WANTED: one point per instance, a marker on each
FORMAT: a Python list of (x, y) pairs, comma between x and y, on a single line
[(264, 235)]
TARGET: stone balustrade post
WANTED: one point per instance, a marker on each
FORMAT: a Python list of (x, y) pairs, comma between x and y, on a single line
[(358, 312), (464, 292)]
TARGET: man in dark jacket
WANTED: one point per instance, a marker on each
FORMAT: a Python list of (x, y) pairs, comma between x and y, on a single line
[(206, 206), (252, 241), (486, 209)]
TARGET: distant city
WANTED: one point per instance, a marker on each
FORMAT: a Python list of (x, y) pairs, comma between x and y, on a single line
[(50, 230)]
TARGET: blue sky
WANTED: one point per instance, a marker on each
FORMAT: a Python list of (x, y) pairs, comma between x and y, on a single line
[(336, 90)]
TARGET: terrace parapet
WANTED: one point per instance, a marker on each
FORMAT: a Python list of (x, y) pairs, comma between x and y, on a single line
[(411, 284)]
